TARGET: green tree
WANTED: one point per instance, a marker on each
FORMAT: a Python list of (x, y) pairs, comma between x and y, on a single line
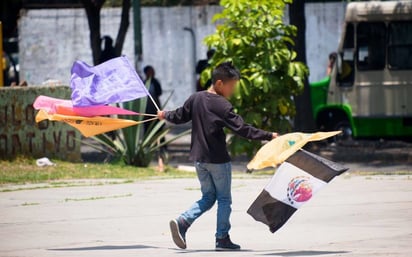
[(252, 34)]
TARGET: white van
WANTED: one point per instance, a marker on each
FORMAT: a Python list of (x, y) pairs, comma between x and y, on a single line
[(369, 91)]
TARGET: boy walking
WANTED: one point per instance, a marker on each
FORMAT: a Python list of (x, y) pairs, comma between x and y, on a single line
[(210, 112)]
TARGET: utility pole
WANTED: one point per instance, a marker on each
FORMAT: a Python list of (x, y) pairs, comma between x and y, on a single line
[(137, 25)]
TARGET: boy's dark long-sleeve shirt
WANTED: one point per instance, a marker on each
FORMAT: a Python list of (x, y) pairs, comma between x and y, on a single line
[(210, 113)]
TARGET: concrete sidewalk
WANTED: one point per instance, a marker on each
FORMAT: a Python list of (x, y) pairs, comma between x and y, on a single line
[(353, 216)]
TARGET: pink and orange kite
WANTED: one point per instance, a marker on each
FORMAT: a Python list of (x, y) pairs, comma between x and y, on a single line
[(93, 90)]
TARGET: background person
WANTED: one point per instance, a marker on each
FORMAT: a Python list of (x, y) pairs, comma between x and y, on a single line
[(155, 90), (108, 51), (200, 67), (332, 59)]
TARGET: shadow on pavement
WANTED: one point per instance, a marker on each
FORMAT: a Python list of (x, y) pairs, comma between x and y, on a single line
[(305, 253), (104, 247), (210, 251)]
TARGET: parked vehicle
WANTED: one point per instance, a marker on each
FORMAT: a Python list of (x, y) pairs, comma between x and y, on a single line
[(369, 91)]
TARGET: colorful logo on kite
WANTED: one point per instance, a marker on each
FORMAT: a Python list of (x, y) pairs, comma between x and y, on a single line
[(299, 189)]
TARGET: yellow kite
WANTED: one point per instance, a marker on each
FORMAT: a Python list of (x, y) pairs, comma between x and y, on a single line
[(279, 149), (88, 126)]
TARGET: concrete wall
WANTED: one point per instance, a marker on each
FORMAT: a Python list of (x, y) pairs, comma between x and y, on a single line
[(20, 134), (324, 23), (50, 40)]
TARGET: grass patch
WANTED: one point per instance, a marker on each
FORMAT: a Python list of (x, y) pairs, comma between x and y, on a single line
[(93, 198), (21, 171), (192, 188), (29, 204)]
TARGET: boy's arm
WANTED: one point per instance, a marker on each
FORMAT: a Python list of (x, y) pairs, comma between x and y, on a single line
[(236, 123), (180, 115)]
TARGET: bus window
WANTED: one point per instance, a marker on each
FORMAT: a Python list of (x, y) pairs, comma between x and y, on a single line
[(346, 72), (371, 48), (400, 45)]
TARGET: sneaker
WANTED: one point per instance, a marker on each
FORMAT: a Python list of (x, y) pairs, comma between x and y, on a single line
[(178, 227), (225, 244)]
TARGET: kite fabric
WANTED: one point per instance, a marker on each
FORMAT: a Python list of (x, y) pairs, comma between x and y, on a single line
[(89, 126), (114, 81), (93, 89), (279, 149), (49, 104), (61, 106), (295, 182), (90, 111)]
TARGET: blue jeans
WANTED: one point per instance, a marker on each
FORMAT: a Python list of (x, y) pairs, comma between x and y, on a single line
[(215, 184)]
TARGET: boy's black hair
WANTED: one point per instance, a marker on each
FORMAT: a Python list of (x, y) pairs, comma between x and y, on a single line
[(225, 71)]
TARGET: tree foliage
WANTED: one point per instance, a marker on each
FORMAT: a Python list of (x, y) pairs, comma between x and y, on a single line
[(252, 34)]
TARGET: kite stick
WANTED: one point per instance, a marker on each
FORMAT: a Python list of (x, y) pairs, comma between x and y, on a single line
[(155, 104), (151, 119), (147, 86)]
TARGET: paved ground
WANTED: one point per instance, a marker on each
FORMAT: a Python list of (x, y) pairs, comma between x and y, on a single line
[(353, 216)]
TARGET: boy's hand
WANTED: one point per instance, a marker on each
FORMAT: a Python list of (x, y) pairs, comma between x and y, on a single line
[(275, 135), (161, 115)]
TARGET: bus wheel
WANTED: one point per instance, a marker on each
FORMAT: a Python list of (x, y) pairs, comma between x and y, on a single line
[(346, 134)]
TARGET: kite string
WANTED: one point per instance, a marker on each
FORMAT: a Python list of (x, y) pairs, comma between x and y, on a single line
[(151, 119)]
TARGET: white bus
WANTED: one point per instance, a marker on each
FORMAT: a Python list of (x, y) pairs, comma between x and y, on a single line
[(369, 91)]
